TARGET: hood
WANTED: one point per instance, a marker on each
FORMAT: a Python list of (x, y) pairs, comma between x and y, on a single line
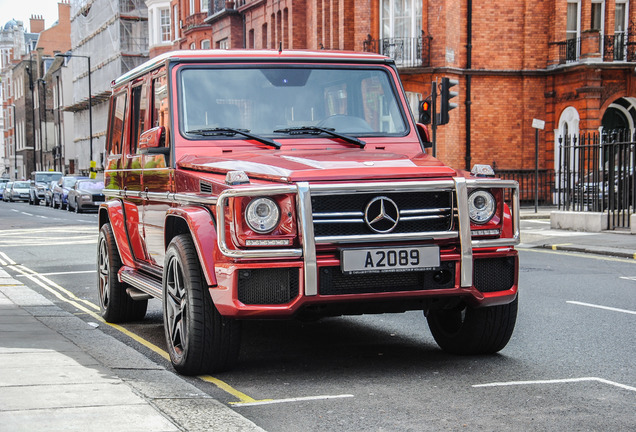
[(321, 165)]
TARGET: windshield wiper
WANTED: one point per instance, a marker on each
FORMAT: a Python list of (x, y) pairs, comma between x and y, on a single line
[(231, 132), (318, 130)]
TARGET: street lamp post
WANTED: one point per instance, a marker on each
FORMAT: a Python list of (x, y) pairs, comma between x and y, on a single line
[(15, 145), (90, 99)]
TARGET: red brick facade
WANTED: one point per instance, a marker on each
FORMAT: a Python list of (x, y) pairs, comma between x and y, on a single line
[(517, 68)]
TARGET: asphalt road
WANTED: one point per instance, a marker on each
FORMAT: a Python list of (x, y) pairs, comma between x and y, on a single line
[(569, 366)]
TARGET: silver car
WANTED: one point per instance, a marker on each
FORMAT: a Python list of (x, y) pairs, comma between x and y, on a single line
[(20, 191)]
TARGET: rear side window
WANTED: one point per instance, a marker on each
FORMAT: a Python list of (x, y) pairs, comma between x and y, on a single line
[(118, 112), (139, 108)]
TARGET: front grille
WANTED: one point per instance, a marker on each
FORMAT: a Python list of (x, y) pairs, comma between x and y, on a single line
[(98, 198), (494, 274), (333, 282), (344, 215), (267, 286)]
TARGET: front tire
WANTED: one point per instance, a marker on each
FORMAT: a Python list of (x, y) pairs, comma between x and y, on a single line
[(470, 331), (199, 339), (116, 306)]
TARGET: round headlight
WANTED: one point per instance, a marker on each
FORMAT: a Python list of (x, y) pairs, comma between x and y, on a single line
[(481, 206), (262, 215)]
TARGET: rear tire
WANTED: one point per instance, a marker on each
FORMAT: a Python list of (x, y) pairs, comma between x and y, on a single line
[(199, 339), (116, 306), (470, 331)]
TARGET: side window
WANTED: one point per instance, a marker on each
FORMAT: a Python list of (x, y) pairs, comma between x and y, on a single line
[(160, 115), (118, 113), (139, 108)]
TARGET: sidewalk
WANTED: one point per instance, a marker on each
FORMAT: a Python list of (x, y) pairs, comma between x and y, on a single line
[(54, 377), (617, 243)]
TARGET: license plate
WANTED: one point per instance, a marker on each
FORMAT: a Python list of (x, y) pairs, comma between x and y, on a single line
[(386, 260)]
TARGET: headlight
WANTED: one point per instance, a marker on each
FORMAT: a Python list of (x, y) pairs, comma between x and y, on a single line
[(86, 197), (262, 215), (481, 206)]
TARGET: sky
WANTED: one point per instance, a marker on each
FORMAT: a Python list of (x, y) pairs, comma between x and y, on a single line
[(21, 10)]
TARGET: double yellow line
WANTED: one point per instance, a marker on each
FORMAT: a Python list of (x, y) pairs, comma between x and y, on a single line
[(92, 310)]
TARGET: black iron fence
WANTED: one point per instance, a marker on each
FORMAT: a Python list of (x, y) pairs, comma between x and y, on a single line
[(527, 179), (597, 173), (406, 52)]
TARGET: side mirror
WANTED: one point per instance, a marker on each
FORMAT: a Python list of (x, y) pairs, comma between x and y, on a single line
[(422, 131), (153, 141)]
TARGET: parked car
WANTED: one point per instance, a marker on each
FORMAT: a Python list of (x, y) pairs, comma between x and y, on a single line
[(39, 182), (85, 195), (20, 191), (289, 184), (2, 186), (48, 193), (60, 190), (7, 191)]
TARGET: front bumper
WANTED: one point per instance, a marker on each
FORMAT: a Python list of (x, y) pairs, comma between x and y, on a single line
[(303, 269)]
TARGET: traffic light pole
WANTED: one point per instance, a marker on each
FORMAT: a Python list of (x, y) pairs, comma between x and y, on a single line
[(434, 116)]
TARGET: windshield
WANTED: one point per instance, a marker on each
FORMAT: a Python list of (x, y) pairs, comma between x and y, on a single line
[(21, 185), (91, 185), (358, 101), (47, 177), (68, 182)]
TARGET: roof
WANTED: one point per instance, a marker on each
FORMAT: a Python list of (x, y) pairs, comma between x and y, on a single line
[(194, 56)]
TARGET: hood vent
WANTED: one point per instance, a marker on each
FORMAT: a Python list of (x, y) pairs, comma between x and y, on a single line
[(205, 187)]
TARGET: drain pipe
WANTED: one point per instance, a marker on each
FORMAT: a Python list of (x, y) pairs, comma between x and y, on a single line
[(469, 53)]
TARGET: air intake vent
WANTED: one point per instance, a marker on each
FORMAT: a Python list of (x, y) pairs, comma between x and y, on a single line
[(205, 187)]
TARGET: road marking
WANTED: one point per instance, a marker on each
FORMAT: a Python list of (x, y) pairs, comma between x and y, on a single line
[(296, 399), (63, 273), (602, 307), (557, 381), (629, 278), (68, 297), (580, 255)]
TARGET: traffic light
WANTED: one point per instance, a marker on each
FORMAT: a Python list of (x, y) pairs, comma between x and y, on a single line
[(446, 96), (425, 111)]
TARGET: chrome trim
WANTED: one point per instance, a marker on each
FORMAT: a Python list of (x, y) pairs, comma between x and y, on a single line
[(339, 214), (306, 227), (466, 253), (220, 223), (141, 282), (432, 235)]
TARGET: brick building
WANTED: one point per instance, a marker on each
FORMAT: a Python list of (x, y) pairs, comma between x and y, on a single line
[(567, 62)]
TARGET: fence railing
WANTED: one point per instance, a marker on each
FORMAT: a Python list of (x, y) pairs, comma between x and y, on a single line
[(527, 180), (597, 173), (406, 52)]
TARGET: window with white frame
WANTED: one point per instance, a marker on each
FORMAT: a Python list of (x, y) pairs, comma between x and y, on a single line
[(203, 7), (193, 46), (164, 24), (223, 44), (191, 11), (400, 29), (205, 44), (175, 14), (573, 29)]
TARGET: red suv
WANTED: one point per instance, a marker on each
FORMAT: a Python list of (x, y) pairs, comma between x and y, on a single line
[(265, 184)]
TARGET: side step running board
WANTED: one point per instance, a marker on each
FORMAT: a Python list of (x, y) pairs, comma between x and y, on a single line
[(143, 286)]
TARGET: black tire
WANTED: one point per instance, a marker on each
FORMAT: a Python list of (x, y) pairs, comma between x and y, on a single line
[(471, 331), (199, 339), (116, 306)]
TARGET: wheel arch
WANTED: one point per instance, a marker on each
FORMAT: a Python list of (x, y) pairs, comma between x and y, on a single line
[(112, 212), (199, 223)]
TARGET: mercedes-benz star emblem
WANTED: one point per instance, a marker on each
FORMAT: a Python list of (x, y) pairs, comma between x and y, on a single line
[(382, 215)]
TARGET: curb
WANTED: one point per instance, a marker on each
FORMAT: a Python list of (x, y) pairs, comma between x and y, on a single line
[(611, 252)]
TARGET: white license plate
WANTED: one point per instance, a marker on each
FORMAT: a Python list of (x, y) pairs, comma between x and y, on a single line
[(393, 259)]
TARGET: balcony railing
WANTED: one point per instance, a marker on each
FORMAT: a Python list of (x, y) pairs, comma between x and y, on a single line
[(195, 20), (594, 46), (406, 52)]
